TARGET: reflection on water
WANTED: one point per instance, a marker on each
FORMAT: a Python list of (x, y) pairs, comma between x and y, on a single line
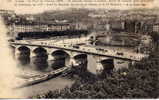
[(56, 64), (41, 63), (24, 60), (44, 65)]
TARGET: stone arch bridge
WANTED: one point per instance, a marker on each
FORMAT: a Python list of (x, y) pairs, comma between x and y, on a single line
[(72, 55)]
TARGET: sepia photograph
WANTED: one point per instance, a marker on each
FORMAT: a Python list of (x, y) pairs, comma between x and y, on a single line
[(79, 53)]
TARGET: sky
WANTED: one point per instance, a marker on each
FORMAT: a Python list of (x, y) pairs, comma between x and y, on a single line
[(10, 5)]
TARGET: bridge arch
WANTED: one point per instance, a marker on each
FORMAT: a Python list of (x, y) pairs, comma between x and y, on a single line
[(81, 60), (60, 52), (39, 58), (23, 55), (61, 59), (81, 55), (24, 49), (108, 65), (39, 50)]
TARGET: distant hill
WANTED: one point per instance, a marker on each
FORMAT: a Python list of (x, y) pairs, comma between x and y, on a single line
[(72, 15), (78, 15), (83, 15)]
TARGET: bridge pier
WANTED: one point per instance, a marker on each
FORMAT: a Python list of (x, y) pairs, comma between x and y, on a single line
[(73, 62), (132, 62), (50, 57), (99, 68), (17, 54), (67, 61), (104, 65), (50, 60)]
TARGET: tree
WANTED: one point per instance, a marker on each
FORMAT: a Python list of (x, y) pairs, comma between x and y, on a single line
[(139, 81)]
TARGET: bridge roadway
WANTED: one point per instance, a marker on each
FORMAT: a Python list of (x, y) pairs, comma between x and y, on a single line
[(88, 49)]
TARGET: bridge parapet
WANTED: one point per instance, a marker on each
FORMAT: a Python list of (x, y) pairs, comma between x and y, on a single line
[(102, 56), (84, 49)]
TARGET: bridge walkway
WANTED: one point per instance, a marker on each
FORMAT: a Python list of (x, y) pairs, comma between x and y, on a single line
[(94, 50)]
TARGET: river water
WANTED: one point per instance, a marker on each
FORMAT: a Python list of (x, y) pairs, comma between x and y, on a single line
[(52, 84)]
